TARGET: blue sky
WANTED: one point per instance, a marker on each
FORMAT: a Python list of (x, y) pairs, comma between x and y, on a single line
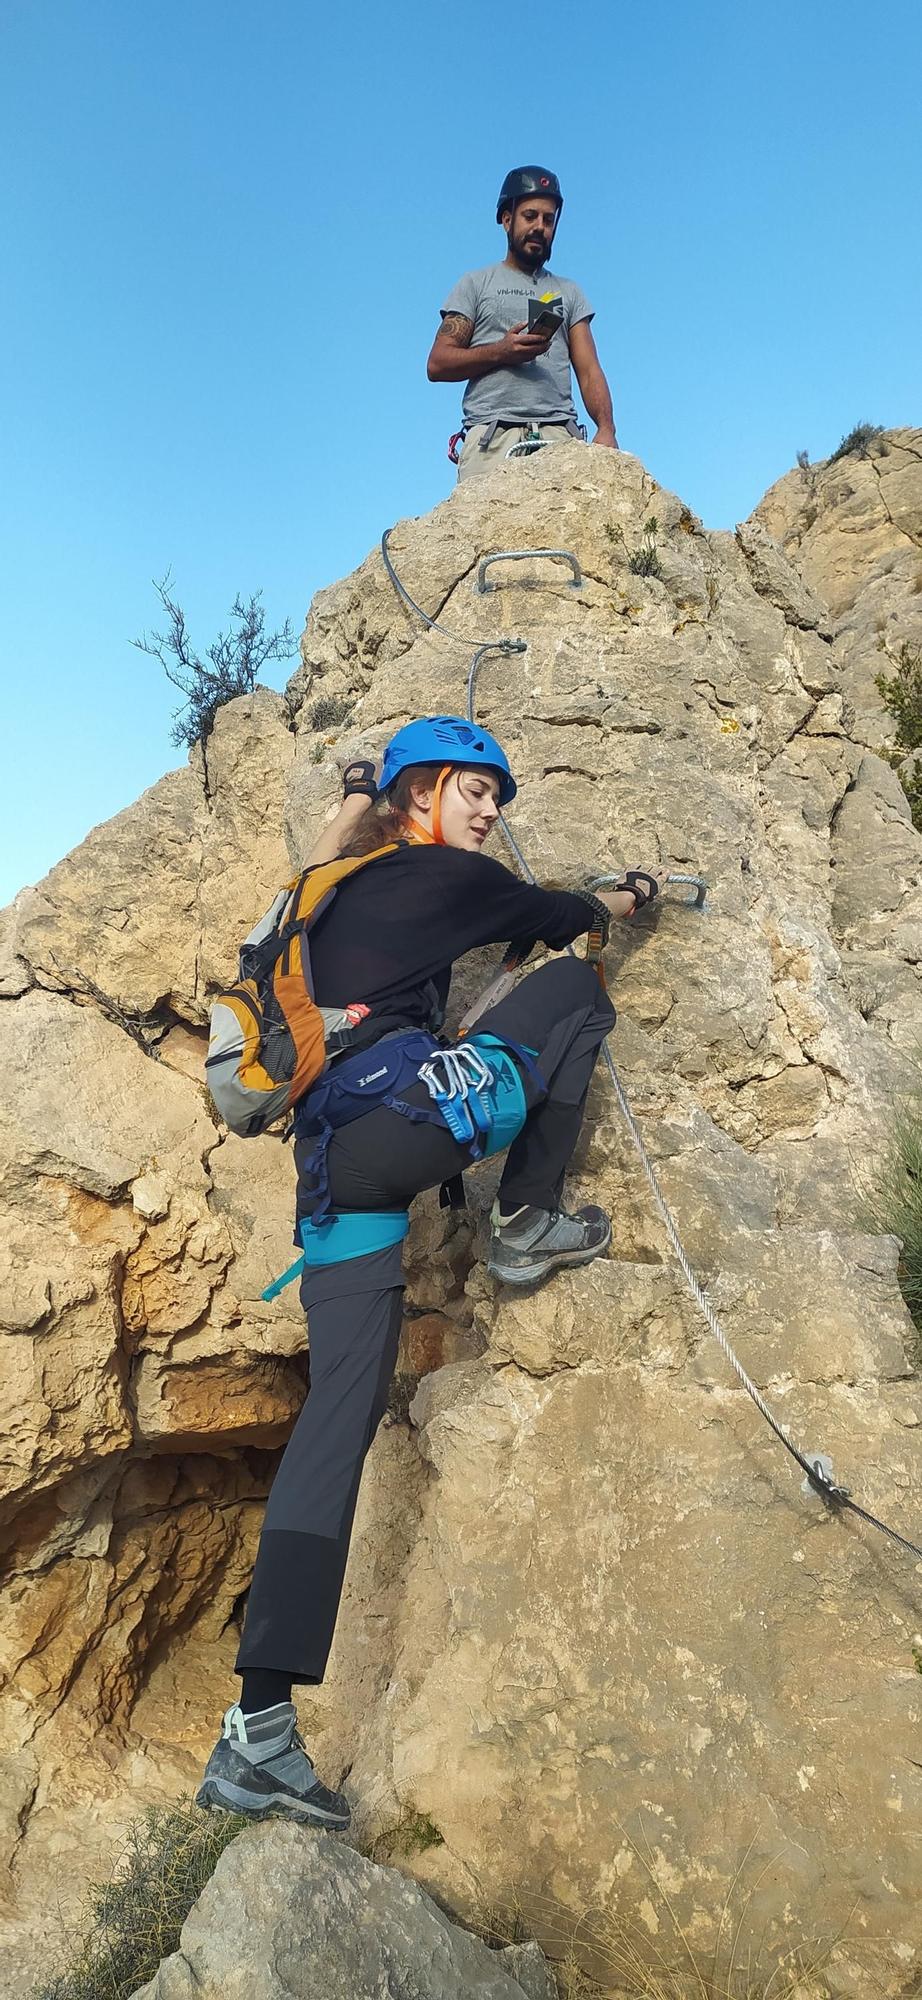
[(227, 229)]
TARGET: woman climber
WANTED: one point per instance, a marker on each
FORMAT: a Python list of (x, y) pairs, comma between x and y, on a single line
[(399, 1111)]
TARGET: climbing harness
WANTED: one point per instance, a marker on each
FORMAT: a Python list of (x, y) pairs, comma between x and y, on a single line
[(817, 1467), (343, 1234), (357, 1083), (531, 442), (479, 1097), (481, 1100)]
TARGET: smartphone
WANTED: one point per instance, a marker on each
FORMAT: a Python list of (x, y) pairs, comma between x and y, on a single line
[(545, 315)]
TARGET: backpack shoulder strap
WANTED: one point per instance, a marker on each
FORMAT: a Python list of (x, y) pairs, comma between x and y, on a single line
[(314, 886)]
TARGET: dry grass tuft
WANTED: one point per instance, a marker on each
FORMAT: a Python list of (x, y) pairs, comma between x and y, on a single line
[(599, 1956)]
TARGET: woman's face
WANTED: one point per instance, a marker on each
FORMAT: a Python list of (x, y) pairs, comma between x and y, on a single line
[(468, 807)]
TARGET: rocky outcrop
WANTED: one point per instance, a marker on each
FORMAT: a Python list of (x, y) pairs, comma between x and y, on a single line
[(289, 1916), (853, 527), (594, 1631)]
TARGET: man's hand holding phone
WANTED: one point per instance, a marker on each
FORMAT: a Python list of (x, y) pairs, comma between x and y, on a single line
[(519, 345)]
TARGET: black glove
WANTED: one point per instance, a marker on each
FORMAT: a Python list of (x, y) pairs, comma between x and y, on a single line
[(642, 887), (360, 777)]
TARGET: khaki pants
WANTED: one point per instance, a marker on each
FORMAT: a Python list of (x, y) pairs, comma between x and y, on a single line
[(474, 461)]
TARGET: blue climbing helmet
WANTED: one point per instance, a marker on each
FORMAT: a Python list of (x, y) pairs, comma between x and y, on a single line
[(446, 739)]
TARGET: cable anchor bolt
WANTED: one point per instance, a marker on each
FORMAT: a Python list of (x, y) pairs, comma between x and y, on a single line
[(820, 1484)]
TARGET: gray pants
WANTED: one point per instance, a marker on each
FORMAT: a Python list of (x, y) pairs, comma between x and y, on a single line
[(475, 460)]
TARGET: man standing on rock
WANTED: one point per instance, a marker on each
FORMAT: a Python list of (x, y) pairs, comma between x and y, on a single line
[(519, 394)]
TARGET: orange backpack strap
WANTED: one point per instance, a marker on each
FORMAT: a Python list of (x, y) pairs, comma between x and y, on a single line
[(314, 885)]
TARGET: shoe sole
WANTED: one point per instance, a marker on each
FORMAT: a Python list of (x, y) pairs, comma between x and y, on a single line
[(214, 1797), (531, 1274)]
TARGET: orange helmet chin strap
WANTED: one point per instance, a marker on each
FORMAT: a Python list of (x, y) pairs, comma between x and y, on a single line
[(421, 833)]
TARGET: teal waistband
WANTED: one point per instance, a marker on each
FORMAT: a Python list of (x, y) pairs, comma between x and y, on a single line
[(341, 1237)]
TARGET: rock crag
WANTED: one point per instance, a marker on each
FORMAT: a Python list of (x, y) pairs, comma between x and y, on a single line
[(288, 1915), (594, 1632)]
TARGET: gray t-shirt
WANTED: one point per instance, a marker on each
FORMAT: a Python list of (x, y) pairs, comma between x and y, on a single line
[(495, 299)]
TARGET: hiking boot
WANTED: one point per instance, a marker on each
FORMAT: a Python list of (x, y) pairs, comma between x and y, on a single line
[(259, 1766), (527, 1246)]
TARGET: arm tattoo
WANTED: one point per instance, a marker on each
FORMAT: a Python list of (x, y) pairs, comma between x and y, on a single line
[(457, 329)]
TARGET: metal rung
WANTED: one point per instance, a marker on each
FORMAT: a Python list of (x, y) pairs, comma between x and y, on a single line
[(697, 882), (482, 587)]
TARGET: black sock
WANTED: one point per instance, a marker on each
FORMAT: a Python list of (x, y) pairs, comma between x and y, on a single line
[(262, 1688)]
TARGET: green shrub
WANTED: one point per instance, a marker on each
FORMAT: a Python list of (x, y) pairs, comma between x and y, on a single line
[(135, 1918), (856, 442), (894, 1205), (901, 693), (413, 1834), (329, 710), (644, 560)]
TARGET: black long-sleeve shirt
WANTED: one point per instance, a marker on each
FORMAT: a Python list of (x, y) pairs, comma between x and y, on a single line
[(395, 928)]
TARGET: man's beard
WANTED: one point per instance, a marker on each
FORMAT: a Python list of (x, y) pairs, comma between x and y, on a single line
[(532, 255)]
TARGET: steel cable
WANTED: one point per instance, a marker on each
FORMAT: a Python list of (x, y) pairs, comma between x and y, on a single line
[(454, 638)]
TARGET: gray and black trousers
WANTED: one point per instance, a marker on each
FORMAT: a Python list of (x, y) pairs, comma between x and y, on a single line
[(354, 1308)]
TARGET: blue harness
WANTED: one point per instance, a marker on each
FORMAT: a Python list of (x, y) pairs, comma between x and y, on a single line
[(475, 1089), (491, 1090)]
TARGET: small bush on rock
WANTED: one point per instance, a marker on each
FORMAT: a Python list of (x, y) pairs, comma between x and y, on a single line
[(901, 693), (135, 1918), (328, 711), (895, 1206), (231, 666), (644, 560), (856, 441)]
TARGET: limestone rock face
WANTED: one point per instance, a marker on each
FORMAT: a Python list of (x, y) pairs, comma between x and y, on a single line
[(853, 528), (593, 1629), (148, 911), (289, 1915)]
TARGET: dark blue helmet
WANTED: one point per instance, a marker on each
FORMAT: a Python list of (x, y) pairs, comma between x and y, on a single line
[(528, 180)]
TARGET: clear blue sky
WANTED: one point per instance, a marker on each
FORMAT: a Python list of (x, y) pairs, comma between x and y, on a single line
[(227, 229)]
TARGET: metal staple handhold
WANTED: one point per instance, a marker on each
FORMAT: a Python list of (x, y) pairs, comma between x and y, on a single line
[(482, 587)]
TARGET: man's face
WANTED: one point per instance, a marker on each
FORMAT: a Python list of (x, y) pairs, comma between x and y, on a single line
[(530, 228)]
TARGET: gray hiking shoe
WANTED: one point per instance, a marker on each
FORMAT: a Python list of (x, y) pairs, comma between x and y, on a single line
[(259, 1766), (536, 1241)]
